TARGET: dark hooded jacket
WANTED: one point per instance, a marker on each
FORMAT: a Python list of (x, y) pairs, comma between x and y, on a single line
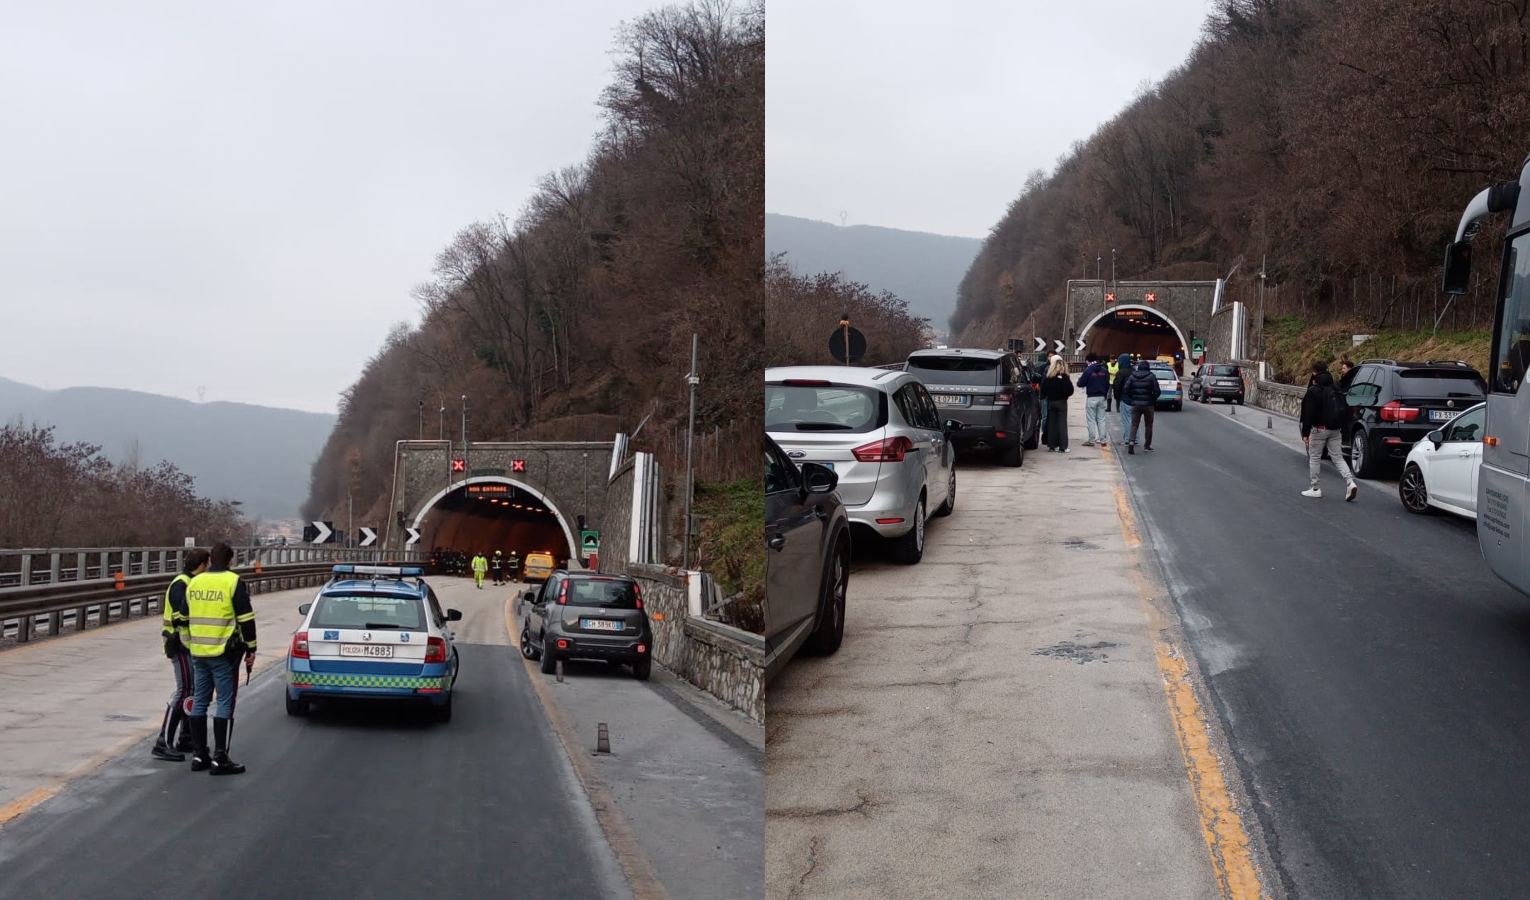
[(1141, 387), (1316, 405), (1124, 361)]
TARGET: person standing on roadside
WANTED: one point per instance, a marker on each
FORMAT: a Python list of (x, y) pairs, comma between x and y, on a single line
[(1324, 414), (480, 568), (168, 746), (1141, 394), (1096, 384), (221, 626), (514, 567), (1056, 388), (1113, 367), (497, 564), (1117, 387)]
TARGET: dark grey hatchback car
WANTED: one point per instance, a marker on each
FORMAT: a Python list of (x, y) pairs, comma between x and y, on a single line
[(584, 615), (807, 560)]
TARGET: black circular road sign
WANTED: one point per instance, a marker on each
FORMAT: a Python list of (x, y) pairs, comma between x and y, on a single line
[(857, 344)]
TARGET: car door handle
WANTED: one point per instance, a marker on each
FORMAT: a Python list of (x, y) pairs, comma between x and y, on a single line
[(776, 541)]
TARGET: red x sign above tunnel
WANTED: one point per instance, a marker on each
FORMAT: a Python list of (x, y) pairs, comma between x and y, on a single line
[(1152, 297), (1110, 297), (517, 465), (459, 465)]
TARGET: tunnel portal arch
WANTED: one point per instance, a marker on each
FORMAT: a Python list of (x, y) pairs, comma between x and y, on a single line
[(431, 502), (1147, 312)]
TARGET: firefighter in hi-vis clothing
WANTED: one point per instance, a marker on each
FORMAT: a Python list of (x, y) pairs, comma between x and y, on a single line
[(480, 566), (498, 565), (221, 630), (514, 565)]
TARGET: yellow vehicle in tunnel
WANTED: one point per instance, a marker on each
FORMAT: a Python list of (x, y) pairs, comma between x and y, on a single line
[(539, 567)]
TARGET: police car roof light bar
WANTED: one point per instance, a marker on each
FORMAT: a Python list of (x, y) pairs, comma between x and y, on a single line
[(401, 571)]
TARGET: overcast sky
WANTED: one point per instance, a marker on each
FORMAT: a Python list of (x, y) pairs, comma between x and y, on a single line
[(241, 196), (928, 116)]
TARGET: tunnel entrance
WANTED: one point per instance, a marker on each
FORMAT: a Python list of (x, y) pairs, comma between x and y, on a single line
[(483, 515), (1136, 330)]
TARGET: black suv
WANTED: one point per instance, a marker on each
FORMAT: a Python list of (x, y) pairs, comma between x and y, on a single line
[(990, 392), (1394, 404), (1223, 380)]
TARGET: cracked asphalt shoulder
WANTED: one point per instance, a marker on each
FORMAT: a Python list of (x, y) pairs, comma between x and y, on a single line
[(995, 723)]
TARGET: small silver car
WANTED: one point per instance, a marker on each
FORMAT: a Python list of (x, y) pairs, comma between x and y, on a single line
[(881, 434)]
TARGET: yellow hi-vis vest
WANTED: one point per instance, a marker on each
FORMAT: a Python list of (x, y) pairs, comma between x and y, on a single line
[(210, 608), (1113, 367), (480, 564), (175, 623)]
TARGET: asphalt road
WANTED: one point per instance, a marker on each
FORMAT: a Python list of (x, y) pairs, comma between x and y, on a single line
[(362, 803), (1371, 674)]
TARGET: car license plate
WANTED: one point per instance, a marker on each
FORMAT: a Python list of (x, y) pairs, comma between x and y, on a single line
[(829, 466), (376, 651), (600, 625), (952, 399), (1443, 415)]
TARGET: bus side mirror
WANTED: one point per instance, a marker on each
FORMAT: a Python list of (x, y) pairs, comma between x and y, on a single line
[(1458, 267)]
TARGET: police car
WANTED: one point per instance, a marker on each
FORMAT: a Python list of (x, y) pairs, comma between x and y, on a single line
[(371, 633)]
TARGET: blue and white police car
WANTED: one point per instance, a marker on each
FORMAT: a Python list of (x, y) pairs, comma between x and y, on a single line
[(373, 633)]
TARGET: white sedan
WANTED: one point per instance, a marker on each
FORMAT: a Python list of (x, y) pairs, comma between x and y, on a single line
[(1441, 471)]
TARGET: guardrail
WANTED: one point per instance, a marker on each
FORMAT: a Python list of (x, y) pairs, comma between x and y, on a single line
[(39, 592)]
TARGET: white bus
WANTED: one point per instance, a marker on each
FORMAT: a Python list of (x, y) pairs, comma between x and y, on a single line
[(1503, 480)]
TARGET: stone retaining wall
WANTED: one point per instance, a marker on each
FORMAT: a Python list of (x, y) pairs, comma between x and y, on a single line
[(725, 662), (1285, 399)]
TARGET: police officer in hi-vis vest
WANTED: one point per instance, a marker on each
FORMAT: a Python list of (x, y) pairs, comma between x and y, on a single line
[(221, 626), (167, 745)]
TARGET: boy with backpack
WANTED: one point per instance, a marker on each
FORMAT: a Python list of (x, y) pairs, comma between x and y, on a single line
[(1325, 412)]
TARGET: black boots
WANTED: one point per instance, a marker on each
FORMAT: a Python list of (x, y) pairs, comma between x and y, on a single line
[(181, 728), (221, 764), (163, 750), (200, 759)]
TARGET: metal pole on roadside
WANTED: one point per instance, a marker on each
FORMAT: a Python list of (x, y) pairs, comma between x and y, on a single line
[(844, 324), (690, 433), (1261, 307), (466, 470)]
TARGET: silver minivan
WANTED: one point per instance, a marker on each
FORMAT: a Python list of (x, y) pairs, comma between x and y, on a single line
[(883, 437)]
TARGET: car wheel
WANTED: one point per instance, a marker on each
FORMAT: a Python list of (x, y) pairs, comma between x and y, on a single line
[(642, 669), (909, 548), (830, 632), (1034, 441), (1413, 492), (1179, 405), (298, 707), (527, 650), (1240, 401), (1014, 454), (549, 662), (1360, 455), (443, 713), (950, 504)]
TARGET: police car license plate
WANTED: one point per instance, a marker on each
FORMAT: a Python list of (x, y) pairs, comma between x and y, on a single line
[(600, 625), (376, 651)]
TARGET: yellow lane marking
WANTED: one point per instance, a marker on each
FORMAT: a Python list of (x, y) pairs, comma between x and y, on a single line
[(37, 795), (1226, 839), (640, 874)]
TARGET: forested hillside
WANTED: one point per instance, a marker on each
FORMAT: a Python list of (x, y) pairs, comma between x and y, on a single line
[(1341, 139), (574, 321), (802, 312)]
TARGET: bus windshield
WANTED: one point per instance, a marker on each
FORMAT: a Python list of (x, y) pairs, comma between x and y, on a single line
[(1511, 352)]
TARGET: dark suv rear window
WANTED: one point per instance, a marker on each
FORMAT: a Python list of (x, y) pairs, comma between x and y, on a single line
[(369, 611), (606, 594), (824, 407), (955, 370), (1433, 383)]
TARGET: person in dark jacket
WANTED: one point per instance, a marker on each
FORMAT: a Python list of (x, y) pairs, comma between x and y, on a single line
[(1056, 388), (1141, 395), (1095, 381), (1324, 414), (175, 631), (1123, 372)]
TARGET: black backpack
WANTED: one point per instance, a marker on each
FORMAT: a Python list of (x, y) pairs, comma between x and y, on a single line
[(1334, 406)]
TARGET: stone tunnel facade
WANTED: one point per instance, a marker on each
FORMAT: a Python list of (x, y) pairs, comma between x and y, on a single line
[(571, 478), (1186, 304)]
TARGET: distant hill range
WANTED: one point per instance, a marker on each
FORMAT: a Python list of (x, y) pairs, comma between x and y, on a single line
[(257, 455), (923, 269)]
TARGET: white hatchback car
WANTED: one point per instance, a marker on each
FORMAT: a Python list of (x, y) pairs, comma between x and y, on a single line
[(1441, 471), (882, 435)]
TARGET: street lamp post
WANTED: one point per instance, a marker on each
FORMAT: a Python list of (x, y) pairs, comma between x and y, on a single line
[(690, 471), (466, 470), (1112, 269), (1261, 306), (1097, 267)]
